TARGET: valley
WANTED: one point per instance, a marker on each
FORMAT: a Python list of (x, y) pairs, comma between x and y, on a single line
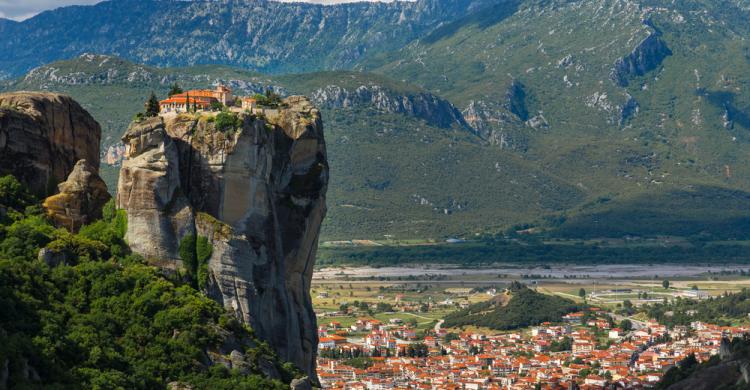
[(372, 320), (426, 194)]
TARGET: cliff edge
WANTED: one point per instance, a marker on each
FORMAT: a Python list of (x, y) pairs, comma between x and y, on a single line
[(234, 202)]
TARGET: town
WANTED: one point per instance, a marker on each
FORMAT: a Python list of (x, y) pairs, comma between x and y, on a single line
[(587, 350)]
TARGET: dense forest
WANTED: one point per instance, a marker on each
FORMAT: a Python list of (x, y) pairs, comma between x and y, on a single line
[(723, 310), (526, 307), (530, 249), (85, 313)]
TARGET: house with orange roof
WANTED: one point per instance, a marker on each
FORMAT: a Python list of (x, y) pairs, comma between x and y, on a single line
[(201, 99)]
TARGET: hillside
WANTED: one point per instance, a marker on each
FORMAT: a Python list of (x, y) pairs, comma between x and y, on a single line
[(522, 308), (258, 34), (643, 100), (634, 123), (89, 314), (389, 143)]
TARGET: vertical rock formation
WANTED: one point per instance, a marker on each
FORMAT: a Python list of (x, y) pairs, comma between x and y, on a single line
[(647, 56), (81, 199), (253, 190), (43, 136)]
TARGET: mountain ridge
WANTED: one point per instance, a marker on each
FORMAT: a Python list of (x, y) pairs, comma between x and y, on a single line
[(259, 34)]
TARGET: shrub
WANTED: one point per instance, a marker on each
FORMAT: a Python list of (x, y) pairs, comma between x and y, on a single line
[(13, 194), (227, 121)]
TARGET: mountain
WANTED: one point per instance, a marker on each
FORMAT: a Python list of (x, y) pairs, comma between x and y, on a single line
[(257, 34), (634, 104), (389, 143), (632, 123)]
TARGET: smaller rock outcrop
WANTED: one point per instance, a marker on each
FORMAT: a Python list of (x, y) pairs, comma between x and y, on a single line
[(43, 136), (80, 199), (647, 56)]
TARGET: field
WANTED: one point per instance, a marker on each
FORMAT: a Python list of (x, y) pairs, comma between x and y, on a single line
[(428, 293)]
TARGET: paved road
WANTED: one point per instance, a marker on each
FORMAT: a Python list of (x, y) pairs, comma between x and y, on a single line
[(438, 325), (636, 324)]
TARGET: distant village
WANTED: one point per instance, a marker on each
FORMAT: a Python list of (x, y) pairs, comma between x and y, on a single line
[(586, 351)]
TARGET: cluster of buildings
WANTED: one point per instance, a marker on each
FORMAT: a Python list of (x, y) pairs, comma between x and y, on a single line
[(205, 99), (594, 355)]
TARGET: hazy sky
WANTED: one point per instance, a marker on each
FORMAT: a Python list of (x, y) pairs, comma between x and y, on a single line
[(23, 9)]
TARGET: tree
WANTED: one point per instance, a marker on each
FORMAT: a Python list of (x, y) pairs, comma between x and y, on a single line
[(187, 102), (175, 90), (665, 284), (582, 293), (152, 106), (216, 106), (626, 325)]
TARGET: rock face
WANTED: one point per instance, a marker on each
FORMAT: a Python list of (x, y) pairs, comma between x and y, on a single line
[(256, 193), (43, 136), (647, 56), (423, 105), (80, 199)]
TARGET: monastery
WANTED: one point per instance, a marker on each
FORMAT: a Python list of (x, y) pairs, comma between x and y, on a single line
[(202, 99)]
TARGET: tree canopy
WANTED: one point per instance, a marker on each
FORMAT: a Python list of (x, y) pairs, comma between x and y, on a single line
[(102, 318)]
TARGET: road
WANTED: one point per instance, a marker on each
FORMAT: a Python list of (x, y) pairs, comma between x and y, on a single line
[(636, 324)]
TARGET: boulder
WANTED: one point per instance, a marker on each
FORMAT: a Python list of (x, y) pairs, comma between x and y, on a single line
[(80, 199), (301, 384), (43, 136)]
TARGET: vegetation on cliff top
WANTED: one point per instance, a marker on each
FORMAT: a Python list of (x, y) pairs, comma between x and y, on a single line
[(102, 318)]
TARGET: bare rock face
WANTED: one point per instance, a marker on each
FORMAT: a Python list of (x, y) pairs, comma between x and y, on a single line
[(80, 198), (43, 136), (255, 193)]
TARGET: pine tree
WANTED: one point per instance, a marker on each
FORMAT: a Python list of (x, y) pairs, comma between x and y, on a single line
[(175, 90), (187, 103), (152, 106)]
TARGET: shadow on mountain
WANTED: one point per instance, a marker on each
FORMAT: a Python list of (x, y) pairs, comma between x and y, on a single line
[(483, 19), (727, 101), (699, 212)]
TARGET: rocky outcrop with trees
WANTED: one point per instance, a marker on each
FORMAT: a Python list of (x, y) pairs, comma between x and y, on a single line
[(234, 203)]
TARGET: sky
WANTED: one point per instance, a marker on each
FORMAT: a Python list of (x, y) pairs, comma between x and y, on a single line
[(24, 9)]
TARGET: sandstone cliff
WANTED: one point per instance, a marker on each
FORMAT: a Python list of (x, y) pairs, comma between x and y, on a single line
[(237, 209), (43, 136)]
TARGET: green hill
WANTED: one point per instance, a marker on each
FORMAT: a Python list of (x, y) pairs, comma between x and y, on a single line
[(522, 308), (102, 318)]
